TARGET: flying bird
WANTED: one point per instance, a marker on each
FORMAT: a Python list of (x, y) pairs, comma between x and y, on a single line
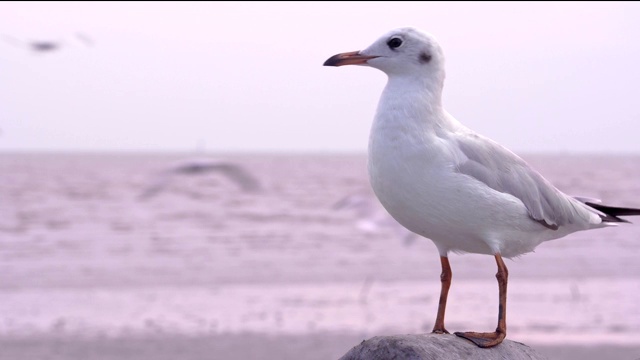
[(84, 39), (236, 173), (45, 46), (41, 46), (441, 180)]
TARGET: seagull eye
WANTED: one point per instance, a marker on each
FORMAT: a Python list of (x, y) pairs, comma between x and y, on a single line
[(394, 42)]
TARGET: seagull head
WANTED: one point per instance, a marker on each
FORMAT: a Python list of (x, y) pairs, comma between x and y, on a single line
[(400, 52)]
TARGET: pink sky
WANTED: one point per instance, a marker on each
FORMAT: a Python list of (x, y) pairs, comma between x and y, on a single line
[(249, 77)]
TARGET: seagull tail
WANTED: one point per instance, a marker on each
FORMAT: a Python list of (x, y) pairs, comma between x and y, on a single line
[(612, 213)]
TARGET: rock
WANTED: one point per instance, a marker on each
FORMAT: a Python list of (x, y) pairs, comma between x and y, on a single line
[(436, 347)]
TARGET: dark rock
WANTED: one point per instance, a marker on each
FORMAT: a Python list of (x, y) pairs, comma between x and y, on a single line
[(436, 347)]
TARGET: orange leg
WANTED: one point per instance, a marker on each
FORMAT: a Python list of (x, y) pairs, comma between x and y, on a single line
[(486, 340), (445, 279)]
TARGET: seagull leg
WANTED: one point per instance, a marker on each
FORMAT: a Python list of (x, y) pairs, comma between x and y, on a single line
[(486, 340), (445, 279)]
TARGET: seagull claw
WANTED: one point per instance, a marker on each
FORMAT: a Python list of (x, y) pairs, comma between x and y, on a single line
[(483, 340)]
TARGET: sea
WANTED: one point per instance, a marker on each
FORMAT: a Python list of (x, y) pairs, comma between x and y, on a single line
[(95, 265)]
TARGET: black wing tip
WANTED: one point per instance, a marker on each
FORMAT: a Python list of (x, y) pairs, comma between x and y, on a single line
[(612, 213)]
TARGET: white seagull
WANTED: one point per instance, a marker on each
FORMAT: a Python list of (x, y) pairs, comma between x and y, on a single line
[(445, 182)]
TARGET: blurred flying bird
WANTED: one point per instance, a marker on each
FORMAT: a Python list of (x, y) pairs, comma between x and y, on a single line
[(246, 181), (44, 46), (84, 39)]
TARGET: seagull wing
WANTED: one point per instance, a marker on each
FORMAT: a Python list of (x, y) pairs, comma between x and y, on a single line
[(503, 171), (241, 176)]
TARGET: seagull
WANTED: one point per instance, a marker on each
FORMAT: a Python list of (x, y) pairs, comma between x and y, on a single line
[(462, 190), (42, 46), (45, 46), (236, 173), (84, 39)]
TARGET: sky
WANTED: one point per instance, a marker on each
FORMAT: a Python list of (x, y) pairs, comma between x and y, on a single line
[(248, 77)]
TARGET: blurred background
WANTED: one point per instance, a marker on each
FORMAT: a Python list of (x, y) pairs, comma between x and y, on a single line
[(185, 179)]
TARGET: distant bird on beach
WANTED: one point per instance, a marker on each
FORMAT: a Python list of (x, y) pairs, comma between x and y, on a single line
[(443, 181), (246, 181)]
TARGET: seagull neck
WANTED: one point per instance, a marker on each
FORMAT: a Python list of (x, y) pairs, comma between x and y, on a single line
[(418, 101)]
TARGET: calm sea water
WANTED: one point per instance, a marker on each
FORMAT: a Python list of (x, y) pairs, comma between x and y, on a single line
[(82, 254)]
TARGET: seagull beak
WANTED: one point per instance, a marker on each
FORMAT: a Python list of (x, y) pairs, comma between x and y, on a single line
[(348, 58)]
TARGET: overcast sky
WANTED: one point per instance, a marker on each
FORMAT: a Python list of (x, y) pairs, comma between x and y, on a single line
[(536, 77)]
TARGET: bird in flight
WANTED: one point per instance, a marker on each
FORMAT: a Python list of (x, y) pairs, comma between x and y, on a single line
[(45, 46), (443, 181), (238, 174)]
